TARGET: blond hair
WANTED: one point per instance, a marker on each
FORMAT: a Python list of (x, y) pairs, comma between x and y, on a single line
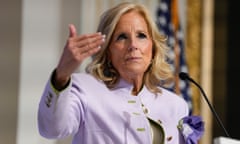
[(159, 71)]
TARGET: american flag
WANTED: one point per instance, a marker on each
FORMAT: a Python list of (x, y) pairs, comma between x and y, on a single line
[(169, 25)]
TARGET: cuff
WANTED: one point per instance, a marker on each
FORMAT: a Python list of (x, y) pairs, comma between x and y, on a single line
[(57, 91)]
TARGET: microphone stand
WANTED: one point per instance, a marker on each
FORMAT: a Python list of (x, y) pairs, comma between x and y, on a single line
[(210, 106)]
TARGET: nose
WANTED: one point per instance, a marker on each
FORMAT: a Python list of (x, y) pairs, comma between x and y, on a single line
[(131, 48), (132, 45)]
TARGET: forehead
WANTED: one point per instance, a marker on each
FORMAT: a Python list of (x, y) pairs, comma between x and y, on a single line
[(131, 16), (132, 19)]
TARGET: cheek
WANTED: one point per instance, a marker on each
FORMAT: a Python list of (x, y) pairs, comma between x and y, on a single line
[(114, 53), (116, 49), (147, 51)]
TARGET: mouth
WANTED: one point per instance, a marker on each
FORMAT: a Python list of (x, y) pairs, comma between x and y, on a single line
[(132, 58)]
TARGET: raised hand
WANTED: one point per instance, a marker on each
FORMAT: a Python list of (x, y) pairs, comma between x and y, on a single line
[(77, 48)]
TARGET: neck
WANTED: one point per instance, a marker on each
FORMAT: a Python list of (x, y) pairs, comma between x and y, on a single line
[(137, 86), (136, 91), (136, 81)]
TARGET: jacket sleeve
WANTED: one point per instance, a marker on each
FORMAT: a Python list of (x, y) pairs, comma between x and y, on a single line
[(60, 113)]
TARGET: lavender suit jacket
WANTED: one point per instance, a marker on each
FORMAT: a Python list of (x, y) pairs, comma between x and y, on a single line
[(94, 114)]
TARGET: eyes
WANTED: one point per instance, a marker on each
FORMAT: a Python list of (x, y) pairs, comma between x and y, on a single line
[(121, 37), (124, 36)]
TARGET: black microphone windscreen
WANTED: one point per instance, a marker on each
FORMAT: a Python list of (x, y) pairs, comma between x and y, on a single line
[(183, 76)]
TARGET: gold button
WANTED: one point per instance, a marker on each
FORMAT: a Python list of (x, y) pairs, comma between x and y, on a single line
[(145, 110), (169, 138), (50, 95), (131, 101), (140, 129), (48, 103), (49, 100), (136, 113), (159, 121)]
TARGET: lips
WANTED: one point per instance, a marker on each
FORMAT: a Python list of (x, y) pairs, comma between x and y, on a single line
[(132, 58)]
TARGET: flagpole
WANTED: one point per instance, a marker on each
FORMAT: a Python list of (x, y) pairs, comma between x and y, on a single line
[(175, 23), (206, 67)]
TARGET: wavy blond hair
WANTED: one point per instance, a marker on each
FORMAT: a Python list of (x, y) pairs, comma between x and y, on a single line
[(159, 72)]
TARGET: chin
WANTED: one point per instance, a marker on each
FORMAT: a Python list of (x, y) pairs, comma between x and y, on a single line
[(135, 70)]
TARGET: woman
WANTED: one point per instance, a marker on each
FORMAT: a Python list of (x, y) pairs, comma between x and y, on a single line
[(120, 99)]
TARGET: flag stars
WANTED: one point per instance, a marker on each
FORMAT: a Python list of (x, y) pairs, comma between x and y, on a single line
[(162, 21), (182, 84), (164, 7), (171, 55), (175, 41), (180, 35), (171, 41), (184, 68)]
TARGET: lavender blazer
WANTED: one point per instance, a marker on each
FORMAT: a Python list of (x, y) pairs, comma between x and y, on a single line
[(94, 114)]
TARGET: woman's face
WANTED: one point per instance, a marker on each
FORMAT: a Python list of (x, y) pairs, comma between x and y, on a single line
[(131, 46)]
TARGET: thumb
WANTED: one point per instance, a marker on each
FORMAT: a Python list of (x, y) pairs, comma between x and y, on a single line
[(72, 30)]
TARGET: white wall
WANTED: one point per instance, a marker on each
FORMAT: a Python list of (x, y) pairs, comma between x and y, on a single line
[(39, 53)]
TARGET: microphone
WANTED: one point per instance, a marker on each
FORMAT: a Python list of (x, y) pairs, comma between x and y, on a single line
[(185, 76)]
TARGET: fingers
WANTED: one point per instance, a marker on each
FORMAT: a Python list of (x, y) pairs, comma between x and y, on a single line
[(90, 41), (90, 45), (88, 53), (72, 30), (82, 46), (77, 48)]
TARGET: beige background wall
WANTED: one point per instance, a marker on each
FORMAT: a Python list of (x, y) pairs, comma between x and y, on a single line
[(10, 39)]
